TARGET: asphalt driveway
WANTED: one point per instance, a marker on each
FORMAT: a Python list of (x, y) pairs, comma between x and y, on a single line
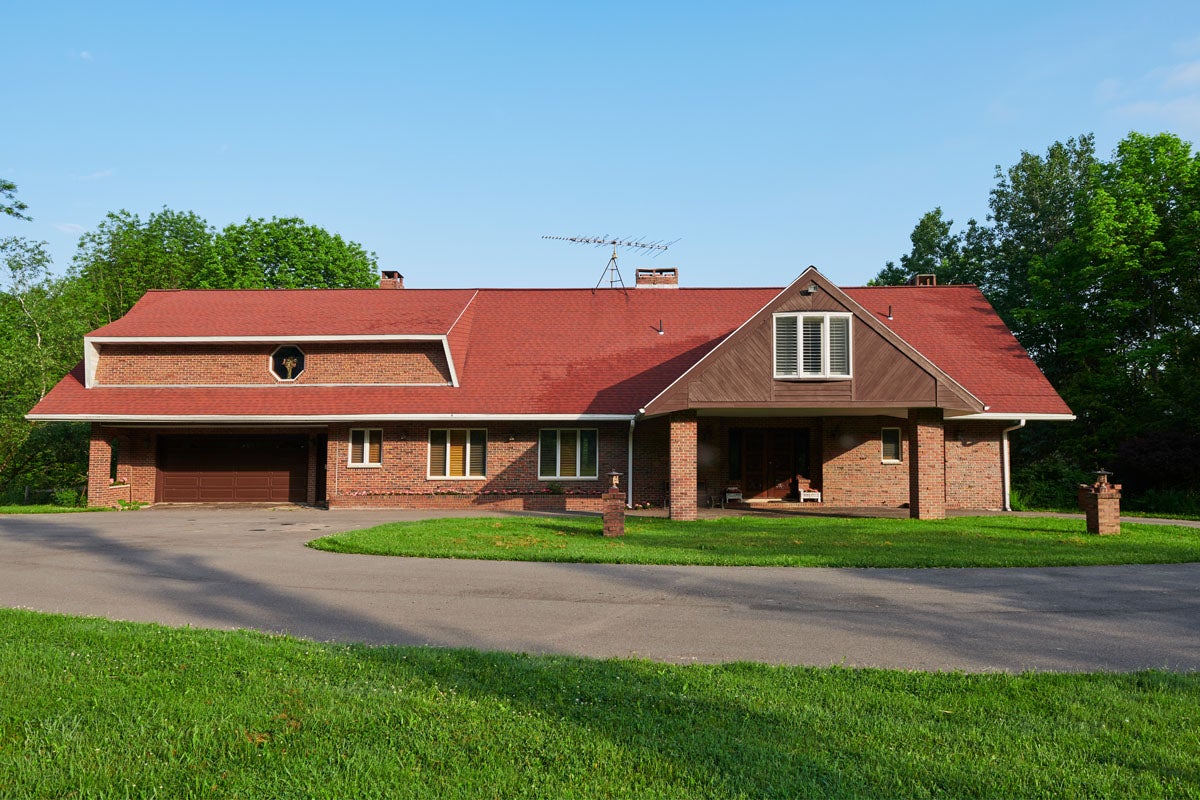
[(248, 568)]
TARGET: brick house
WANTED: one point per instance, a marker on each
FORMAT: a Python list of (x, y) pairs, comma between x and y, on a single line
[(528, 399)]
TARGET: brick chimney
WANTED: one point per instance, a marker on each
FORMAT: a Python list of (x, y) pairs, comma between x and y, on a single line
[(658, 278), (391, 279), (924, 279)]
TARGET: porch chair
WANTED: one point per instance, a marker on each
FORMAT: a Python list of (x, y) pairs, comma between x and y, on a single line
[(810, 494), (733, 494)]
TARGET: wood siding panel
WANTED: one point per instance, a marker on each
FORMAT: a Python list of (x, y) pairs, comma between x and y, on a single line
[(885, 376)]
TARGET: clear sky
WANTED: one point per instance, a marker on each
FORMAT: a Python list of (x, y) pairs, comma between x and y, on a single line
[(449, 137)]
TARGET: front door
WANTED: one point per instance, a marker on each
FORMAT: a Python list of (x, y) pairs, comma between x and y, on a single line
[(767, 463)]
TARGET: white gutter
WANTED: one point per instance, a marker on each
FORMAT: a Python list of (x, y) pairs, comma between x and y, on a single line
[(629, 467), (1007, 469)]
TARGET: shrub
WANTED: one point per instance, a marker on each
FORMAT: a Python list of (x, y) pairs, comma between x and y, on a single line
[(67, 497), (1048, 483)]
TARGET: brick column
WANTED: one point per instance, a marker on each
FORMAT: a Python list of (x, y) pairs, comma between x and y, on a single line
[(926, 464), (683, 465), (1101, 502), (612, 503)]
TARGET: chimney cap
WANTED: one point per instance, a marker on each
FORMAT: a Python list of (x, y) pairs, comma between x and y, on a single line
[(923, 279), (391, 279)]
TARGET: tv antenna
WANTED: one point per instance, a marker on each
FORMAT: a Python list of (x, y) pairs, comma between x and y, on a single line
[(612, 272)]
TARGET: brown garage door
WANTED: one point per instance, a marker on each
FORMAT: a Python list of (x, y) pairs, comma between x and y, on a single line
[(223, 469)]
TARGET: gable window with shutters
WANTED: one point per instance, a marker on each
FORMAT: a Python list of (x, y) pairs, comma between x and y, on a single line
[(366, 447), (812, 345), (457, 453), (570, 453)]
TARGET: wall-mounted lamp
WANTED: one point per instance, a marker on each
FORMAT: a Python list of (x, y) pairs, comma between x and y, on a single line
[(812, 288)]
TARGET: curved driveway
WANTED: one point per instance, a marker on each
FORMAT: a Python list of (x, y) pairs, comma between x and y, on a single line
[(249, 569)]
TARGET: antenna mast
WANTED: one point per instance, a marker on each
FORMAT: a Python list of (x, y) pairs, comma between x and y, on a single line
[(612, 272)]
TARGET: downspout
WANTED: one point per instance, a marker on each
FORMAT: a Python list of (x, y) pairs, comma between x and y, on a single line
[(629, 466), (1007, 469)]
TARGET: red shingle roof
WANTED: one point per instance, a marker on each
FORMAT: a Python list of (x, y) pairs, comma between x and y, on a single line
[(533, 351)]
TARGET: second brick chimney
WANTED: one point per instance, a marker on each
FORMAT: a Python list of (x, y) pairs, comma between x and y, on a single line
[(391, 279)]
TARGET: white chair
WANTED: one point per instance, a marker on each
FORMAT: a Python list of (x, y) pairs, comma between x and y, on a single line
[(733, 494)]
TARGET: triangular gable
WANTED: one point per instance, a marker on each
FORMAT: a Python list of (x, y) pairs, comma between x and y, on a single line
[(887, 372)]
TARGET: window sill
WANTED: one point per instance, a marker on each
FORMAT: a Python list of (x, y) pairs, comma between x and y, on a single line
[(456, 477), (559, 478), (364, 466), (799, 378), (891, 461)]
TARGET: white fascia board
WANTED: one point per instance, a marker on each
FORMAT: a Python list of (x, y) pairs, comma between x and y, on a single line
[(91, 359), (281, 338), (449, 360), (305, 418), (1012, 417)]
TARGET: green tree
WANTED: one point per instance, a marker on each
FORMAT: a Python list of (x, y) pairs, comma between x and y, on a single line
[(937, 250), (125, 257), (40, 339), (286, 253), (9, 204)]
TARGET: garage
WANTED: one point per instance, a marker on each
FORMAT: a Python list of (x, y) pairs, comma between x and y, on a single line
[(232, 469)]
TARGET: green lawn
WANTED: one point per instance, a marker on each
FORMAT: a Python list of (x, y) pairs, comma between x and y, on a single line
[(794, 541), (105, 709), (47, 509)]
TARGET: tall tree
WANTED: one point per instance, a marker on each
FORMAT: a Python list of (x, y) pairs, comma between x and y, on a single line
[(9, 204), (286, 253), (39, 341), (937, 250), (124, 257)]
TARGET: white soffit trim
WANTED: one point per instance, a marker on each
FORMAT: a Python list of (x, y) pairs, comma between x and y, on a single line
[(1012, 417)]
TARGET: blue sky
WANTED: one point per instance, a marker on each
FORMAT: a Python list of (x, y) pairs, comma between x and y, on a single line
[(448, 138)]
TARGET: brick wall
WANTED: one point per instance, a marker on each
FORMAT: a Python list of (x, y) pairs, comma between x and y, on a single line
[(853, 472), (512, 470), (684, 454), (974, 465), (136, 473), (250, 364)]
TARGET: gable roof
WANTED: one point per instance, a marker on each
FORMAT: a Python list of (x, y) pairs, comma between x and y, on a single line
[(544, 353)]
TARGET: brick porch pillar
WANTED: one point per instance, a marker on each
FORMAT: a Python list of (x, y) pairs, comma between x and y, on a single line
[(926, 464), (683, 465)]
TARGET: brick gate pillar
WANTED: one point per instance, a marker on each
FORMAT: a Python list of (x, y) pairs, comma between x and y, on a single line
[(683, 465), (926, 464)]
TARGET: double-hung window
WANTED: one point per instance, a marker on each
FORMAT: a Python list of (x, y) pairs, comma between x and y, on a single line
[(812, 345), (366, 447), (457, 453), (568, 453)]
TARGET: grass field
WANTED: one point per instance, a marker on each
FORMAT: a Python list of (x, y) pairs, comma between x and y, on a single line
[(795, 541), (104, 709)]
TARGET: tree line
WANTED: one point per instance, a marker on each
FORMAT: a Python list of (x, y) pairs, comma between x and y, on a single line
[(1094, 263), (44, 317)]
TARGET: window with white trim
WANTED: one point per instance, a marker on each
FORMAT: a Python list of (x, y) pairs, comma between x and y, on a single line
[(890, 444), (366, 447), (457, 453), (812, 345), (568, 453)]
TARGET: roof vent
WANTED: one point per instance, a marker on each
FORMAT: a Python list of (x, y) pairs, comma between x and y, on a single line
[(391, 279), (658, 278), (924, 279)]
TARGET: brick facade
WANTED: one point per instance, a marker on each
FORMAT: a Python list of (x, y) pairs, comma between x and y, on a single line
[(249, 364), (845, 464)]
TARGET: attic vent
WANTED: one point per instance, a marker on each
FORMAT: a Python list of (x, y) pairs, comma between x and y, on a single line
[(658, 278), (926, 279), (391, 279)]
